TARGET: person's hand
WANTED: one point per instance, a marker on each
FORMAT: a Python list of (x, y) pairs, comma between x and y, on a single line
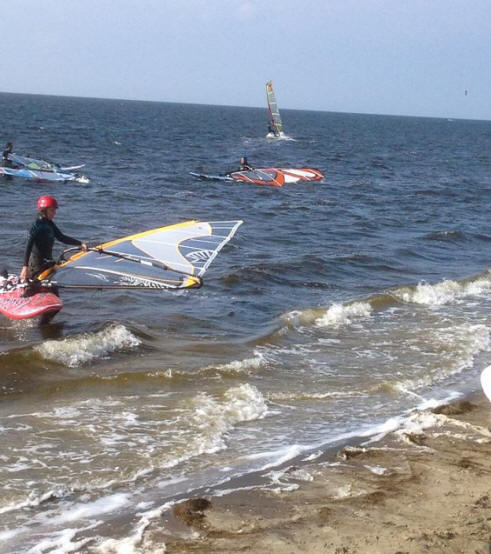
[(23, 273)]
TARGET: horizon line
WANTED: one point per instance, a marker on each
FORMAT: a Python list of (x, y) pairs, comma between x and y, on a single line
[(236, 106)]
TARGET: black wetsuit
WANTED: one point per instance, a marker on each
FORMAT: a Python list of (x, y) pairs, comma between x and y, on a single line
[(39, 248), (7, 162)]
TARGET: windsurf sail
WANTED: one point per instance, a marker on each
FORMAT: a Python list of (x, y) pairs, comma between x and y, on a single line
[(273, 176), (173, 257), (295, 174), (32, 163), (37, 175), (260, 177), (277, 176), (274, 111), (40, 165)]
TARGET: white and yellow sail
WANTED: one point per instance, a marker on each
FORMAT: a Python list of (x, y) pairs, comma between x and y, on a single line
[(172, 257)]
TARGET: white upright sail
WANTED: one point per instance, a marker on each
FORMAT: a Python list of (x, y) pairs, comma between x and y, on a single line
[(274, 111)]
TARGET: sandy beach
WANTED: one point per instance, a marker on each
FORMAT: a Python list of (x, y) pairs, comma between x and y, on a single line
[(423, 488)]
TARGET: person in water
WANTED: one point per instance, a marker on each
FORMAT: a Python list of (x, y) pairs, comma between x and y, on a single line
[(244, 165), (6, 161), (39, 249)]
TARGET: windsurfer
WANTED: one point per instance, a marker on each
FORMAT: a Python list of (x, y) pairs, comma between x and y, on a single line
[(6, 162), (272, 130), (244, 165), (39, 249)]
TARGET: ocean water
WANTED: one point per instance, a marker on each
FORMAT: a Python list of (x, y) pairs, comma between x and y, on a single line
[(337, 309)]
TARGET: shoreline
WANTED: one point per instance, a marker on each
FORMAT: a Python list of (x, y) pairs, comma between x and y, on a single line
[(422, 488)]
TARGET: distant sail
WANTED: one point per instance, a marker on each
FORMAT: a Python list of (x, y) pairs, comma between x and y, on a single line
[(172, 257), (260, 177), (273, 108), (32, 163), (37, 175), (40, 165)]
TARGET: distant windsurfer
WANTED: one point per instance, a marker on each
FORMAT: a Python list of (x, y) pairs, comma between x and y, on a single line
[(272, 130), (6, 161), (39, 249), (244, 165)]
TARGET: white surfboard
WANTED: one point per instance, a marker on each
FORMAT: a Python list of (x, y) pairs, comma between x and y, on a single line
[(486, 382)]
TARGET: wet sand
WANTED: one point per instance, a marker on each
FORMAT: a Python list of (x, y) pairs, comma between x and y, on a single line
[(423, 488)]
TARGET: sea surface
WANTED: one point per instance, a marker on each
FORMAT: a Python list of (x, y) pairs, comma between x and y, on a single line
[(338, 308)]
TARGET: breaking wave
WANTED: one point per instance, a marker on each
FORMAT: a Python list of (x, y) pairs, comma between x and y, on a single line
[(445, 292), (457, 346), (337, 315), (87, 347), (246, 365), (215, 417), (343, 314)]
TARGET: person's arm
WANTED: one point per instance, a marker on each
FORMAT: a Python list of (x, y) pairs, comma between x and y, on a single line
[(65, 238), (23, 273), (27, 255)]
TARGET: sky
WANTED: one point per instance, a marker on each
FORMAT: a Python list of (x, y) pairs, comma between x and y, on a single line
[(401, 57)]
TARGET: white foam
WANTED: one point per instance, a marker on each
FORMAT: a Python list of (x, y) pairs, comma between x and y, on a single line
[(339, 315), (279, 485), (34, 500), (305, 395), (313, 456), (417, 423), (446, 292), (378, 470), (61, 542), (66, 412), (136, 543), (343, 492), (214, 418), (301, 475), (457, 348), (79, 349), (91, 509), (277, 457), (245, 365)]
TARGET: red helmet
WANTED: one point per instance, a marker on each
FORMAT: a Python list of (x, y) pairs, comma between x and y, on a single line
[(47, 202)]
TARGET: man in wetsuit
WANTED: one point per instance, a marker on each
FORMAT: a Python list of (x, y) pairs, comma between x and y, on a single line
[(244, 165), (6, 162), (39, 250)]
